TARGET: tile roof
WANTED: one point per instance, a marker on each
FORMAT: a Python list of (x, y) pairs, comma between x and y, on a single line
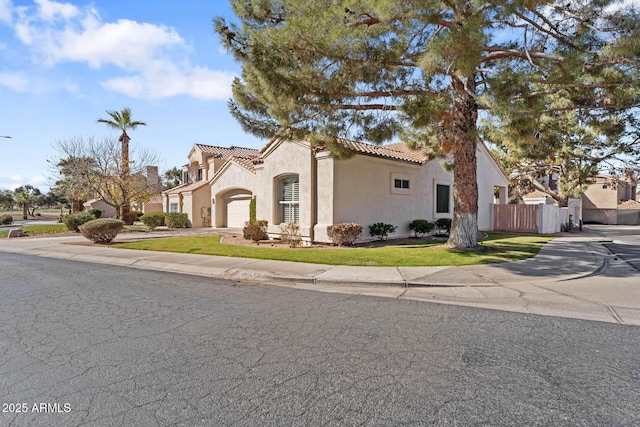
[(186, 187), (396, 151), (245, 163), (536, 194), (229, 152), (629, 204), (155, 198)]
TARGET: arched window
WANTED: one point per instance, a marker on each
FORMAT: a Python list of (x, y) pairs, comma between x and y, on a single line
[(289, 198)]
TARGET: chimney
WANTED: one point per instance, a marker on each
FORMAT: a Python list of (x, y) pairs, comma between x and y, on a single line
[(153, 180)]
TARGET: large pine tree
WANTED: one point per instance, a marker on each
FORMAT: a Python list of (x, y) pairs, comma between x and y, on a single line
[(422, 70)]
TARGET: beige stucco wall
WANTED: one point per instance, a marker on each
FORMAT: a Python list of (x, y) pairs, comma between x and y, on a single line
[(604, 216), (489, 176), (282, 159), (360, 189), (628, 216), (108, 211), (200, 198), (595, 196), (187, 205), (151, 207), (233, 180), (363, 192), (171, 198)]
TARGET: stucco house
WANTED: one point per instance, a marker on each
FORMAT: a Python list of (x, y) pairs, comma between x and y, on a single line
[(149, 181), (611, 200), (293, 181), (193, 197), (536, 197)]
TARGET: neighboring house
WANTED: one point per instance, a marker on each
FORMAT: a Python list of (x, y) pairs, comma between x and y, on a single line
[(108, 211), (150, 181), (536, 197), (193, 197), (604, 201), (291, 181)]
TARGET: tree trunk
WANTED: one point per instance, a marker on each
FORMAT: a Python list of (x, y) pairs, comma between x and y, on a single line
[(463, 138), (25, 210), (125, 209)]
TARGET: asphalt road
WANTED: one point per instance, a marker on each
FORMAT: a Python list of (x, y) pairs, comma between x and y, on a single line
[(626, 241), (101, 345)]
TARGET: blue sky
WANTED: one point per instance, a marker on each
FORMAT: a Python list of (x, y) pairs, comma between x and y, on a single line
[(63, 64)]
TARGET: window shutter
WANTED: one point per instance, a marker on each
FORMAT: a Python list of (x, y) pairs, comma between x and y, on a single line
[(290, 195)]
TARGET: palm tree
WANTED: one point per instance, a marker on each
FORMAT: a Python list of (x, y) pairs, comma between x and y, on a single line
[(121, 120)]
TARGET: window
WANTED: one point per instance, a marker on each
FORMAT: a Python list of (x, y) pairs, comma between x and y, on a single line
[(199, 178), (173, 208), (185, 177), (442, 198), (289, 199), (401, 183)]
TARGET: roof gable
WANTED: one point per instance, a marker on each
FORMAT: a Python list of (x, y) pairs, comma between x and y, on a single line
[(228, 152), (396, 151)]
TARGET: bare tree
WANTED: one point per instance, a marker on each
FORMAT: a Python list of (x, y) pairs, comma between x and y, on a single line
[(88, 168)]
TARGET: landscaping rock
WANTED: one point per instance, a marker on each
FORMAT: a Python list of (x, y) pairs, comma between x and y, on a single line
[(15, 232)]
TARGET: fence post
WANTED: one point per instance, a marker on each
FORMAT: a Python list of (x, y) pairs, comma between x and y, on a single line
[(491, 215), (540, 217)]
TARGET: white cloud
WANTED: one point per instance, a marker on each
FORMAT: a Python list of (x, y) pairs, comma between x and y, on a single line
[(51, 11), (14, 181), (5, 11), (14, 81), (153, 58), (39, 181), (198, 83)]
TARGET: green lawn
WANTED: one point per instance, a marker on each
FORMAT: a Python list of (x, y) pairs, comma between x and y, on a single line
[(498, 247), (39, 230), (47, 230)]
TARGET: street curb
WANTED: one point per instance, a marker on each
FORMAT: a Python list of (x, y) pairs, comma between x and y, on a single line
[(597, 248)]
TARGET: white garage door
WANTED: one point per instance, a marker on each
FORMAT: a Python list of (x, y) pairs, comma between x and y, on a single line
[(237, 212)]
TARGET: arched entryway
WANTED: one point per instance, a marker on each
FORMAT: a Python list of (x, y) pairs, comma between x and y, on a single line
[(232, 208)]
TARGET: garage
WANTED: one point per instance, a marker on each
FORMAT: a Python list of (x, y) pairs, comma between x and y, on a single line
[(237, 210)]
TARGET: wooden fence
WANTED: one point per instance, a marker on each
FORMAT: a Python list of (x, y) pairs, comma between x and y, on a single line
[(516, 218)]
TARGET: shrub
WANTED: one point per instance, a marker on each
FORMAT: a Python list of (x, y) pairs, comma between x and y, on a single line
[(101, 230), (444, 224), (381, 230), (420, 227), (252, 210), (95, 212), (73, 221), (176, 220), (290, 233), (344, 234), (153, 219), (135, 215), (6, 219), (567, 226), (255, 230)]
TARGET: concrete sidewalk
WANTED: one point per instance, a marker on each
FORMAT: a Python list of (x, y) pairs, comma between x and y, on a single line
[(563, 259), (536, 285)]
